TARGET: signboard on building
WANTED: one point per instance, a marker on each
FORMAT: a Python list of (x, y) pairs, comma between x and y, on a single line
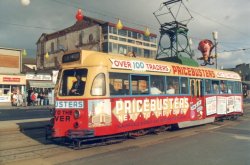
[(13, 79), (38, 77)]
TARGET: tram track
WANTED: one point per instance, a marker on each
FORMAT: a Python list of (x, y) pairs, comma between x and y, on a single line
[(28, 144)]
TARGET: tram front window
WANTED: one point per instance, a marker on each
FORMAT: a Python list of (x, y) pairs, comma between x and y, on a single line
[(73, 82)]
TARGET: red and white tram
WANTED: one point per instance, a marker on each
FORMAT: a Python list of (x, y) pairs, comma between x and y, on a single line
[(119, 94)]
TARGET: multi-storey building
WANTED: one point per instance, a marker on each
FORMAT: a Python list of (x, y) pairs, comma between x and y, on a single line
[(93, 34)]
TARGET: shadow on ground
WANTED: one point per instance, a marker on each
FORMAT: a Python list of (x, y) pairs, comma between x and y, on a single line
[(35, 130)]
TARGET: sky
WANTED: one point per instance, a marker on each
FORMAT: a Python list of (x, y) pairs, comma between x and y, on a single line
[(21, 26)]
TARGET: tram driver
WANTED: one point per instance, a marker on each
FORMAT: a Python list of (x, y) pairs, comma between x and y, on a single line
[(77, 87)]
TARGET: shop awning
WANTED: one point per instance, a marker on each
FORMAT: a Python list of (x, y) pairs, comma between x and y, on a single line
[(41, 84)]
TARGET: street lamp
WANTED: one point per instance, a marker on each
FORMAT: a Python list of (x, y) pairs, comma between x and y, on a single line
[(215, 37)]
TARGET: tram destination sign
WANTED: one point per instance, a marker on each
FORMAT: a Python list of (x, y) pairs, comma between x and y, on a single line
[(71, 57)]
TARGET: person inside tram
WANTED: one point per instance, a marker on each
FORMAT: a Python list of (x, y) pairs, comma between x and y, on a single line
[(154, 90), (215, 88), (171, 89), (77, 87)]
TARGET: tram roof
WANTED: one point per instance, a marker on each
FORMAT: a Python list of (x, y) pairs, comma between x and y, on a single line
[(125, 64)]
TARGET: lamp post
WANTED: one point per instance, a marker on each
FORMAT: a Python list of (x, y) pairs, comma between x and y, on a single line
[(215, 37)]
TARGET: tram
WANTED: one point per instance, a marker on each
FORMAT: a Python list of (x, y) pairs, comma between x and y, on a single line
[(102, 95)]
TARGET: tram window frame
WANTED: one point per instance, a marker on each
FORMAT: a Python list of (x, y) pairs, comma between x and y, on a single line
[(184, 89), (223, 87), (157, 85), (175, 83), (138, 82), (68, 78), (116, 88), (208, 87), (230, 85), (237, 87), (215, 91), (99, 88)]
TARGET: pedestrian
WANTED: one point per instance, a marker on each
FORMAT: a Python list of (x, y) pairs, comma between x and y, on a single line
[(33, 98)]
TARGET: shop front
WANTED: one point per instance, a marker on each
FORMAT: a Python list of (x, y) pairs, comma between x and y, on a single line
[(41, 85), (9, 85)]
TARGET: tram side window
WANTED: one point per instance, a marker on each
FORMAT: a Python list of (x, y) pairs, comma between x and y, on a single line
[(118, 84), (140, 84), (172, 85), (223, 86), (208, 87), (157, 85), (184, 85), (215, 86), (237, 87), (73, 82), (230, 87), (99, 86)]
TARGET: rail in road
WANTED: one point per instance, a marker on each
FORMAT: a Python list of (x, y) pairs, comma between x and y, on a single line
[(30, 147)]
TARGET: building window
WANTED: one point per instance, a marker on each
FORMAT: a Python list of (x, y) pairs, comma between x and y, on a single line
[(131, 41), (105, 47), (139, 36), (105, 30), (129, 34), (135, 50), (134, 35), (153, 39), (105, 37), (115, 48), (138, 43), (146, 44), (122, 49), (113, 37), (146, 38), (4, 90), (129, 49), (139, 51), (153, 46), (146, 53), (52, 47), (110, 46), (152, 53), (122, 33), (114, 30), (122, 39)]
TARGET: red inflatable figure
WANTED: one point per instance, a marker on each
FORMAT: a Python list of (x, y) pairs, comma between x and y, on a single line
[(206, 46)]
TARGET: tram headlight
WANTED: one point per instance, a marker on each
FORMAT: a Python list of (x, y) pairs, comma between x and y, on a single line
[(77, 114), (52, 112)]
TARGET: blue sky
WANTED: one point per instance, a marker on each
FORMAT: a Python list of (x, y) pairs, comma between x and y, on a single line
[(21, 26)]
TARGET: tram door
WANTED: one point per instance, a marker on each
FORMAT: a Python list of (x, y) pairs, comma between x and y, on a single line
[(197, 99)]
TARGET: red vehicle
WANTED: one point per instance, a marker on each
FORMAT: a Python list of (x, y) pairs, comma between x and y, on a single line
[(100, 95)]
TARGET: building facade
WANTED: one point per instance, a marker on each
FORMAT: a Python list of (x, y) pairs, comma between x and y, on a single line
[(93, 34), (11, 79)]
